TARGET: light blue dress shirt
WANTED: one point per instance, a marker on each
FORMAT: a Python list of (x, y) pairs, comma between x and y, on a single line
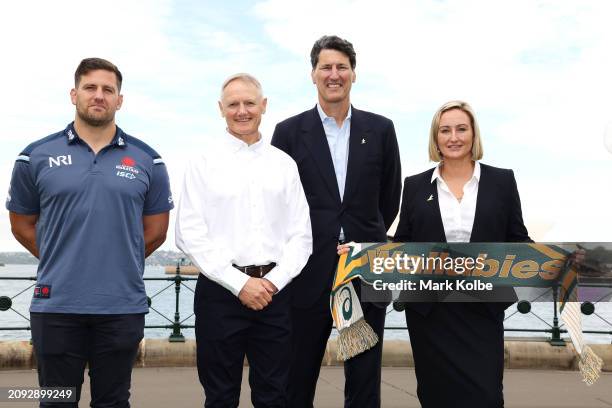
[(338, 140)]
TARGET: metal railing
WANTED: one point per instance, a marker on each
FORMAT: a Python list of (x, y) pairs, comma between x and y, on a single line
[(555, 329), (176, 324)]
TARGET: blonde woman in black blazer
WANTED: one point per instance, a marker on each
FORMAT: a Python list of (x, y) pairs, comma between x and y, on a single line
[(459, 347)]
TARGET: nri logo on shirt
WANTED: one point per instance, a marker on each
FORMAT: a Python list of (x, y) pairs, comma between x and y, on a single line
[(59, 160)]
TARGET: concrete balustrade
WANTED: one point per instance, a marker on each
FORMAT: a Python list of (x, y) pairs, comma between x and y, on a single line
[(540, 355)]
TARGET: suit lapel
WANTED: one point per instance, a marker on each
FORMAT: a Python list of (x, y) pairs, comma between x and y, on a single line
[(358, 151), (316, 143), (432, 205), (483, 187)]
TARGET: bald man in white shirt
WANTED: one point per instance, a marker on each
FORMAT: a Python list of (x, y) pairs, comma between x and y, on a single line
[(243, 220)]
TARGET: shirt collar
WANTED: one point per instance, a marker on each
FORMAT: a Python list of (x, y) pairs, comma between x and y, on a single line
[(235, 144), (71, 134), (475, 175), (119, 139), (324, 116)]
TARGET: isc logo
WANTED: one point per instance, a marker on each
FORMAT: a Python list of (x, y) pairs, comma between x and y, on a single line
[(59, 160), (126, 174)]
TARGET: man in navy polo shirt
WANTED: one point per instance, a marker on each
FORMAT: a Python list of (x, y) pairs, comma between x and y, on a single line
[(91, 202)]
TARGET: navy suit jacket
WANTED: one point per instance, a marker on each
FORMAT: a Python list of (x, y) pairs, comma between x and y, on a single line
[(498, 216), (371, 197)]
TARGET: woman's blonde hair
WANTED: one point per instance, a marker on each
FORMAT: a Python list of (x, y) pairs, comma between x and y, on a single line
[(434, 152)]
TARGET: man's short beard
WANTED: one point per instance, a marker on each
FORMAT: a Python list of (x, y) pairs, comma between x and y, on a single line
[(95, 121)]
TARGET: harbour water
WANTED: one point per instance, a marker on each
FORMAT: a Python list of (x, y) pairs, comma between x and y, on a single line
[(163, 309)]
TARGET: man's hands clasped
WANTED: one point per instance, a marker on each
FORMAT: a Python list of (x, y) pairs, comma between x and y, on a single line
[(257, 293)]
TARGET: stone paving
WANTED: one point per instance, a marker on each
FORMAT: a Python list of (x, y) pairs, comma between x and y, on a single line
[(178, 387)]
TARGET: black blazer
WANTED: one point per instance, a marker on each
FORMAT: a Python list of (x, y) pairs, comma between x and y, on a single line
[(498, 216), (371, 196)]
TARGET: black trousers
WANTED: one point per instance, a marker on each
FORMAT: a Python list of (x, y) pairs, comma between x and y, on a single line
[(458, 353), (226, 331), (311, 330), (65, 343)]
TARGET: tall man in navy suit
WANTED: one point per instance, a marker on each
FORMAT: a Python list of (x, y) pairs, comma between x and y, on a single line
[(349, 165)]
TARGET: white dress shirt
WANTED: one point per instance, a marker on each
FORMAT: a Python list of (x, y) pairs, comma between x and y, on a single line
[(457, 215), (244, 205)]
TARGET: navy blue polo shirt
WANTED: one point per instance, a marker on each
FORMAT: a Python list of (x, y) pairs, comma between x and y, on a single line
[(89, 231)]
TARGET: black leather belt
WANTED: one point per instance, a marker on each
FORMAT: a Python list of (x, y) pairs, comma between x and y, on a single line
[(256, 271)]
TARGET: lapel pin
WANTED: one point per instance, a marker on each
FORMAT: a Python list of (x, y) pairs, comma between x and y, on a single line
[(430, 198), (363, 141)]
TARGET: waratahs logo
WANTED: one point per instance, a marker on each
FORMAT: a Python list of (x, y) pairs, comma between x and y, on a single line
[(127, 168), (128, 161)]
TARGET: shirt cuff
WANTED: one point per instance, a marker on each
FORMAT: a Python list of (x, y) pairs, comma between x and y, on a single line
[(19, 209), (278, 277), (234, 280)]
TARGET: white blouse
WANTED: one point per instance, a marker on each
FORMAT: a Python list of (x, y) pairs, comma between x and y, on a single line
[(457, 216)]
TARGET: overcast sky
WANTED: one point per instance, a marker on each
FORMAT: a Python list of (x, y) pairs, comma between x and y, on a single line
[(536, 72)]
